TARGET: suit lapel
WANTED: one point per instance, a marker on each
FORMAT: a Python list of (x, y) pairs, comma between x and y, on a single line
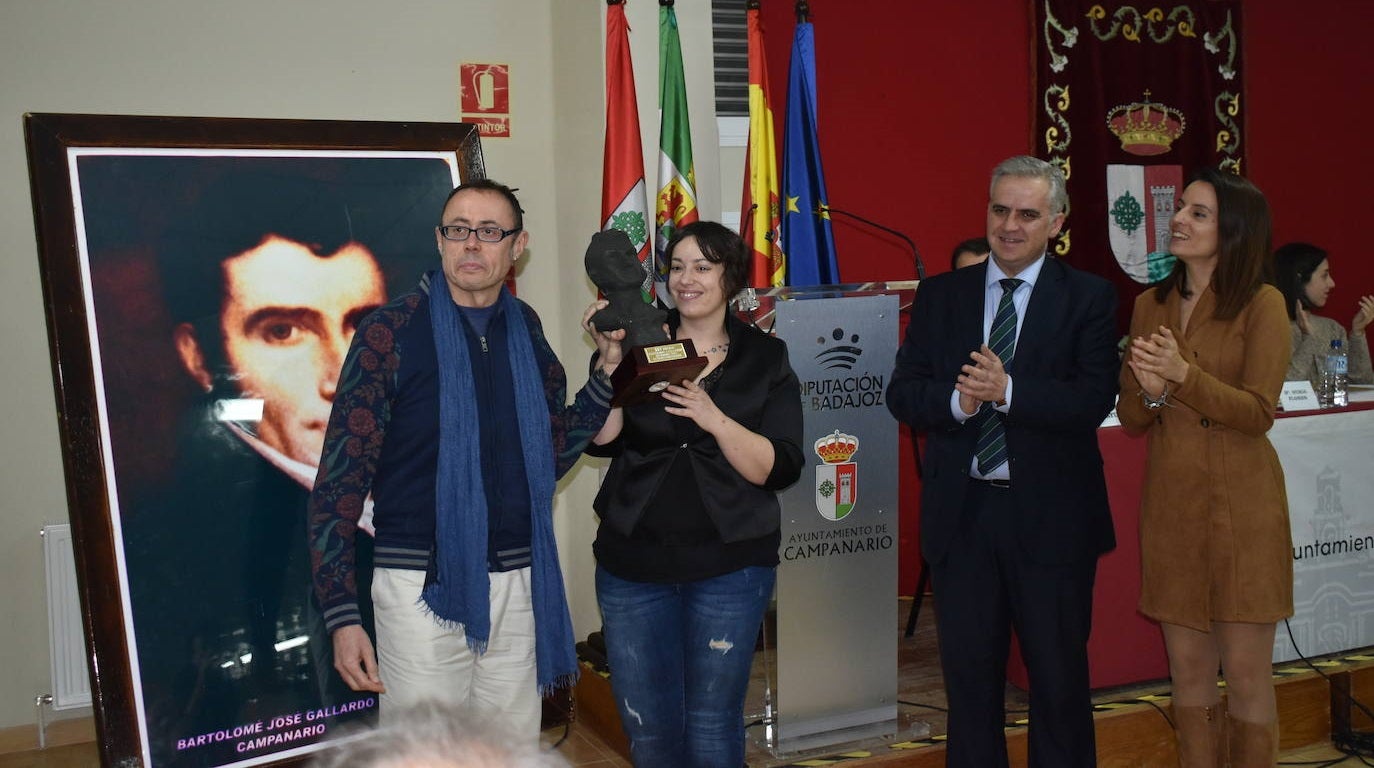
[(969, 312), (1046, 301)]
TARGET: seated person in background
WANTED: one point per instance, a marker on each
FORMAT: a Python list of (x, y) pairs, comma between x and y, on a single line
[(970, 252), (1304, 275)]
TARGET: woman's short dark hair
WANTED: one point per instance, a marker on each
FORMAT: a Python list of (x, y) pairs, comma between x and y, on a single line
[(720, 245), (1294, 264)]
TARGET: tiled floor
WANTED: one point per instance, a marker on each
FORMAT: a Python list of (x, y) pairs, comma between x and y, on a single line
[(581, 751), (581, 748), (921, 694)]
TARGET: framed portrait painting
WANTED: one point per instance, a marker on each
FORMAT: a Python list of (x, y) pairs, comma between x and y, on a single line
[(202, 279)]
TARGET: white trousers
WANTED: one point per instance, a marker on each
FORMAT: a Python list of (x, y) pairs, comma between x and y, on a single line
[(421, 660)]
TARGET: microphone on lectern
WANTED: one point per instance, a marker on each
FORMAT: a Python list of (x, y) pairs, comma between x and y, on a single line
[(915, 253)]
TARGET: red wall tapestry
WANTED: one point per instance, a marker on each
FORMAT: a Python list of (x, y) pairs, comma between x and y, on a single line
[(1129, 101)]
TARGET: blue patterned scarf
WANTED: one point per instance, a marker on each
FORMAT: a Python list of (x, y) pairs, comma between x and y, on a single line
[(460, 594)]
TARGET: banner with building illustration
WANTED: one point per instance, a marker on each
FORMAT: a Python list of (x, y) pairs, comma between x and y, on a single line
[(1331, 508), (1127, 143)]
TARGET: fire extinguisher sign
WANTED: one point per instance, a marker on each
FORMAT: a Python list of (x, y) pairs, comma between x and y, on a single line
[(484, 95)]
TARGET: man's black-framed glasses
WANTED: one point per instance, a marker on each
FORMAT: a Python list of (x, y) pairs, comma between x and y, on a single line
[(459, 233)]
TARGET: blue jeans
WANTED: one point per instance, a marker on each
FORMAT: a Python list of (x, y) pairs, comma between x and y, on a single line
[(680, 656)]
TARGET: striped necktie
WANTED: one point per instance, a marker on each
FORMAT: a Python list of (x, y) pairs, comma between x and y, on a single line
[(991, 448)]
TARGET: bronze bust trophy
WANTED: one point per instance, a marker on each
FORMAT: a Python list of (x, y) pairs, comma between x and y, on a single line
[(652, 361)]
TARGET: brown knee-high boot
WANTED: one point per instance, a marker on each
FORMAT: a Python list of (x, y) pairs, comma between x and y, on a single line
[(1253, 745), (1201, 735)]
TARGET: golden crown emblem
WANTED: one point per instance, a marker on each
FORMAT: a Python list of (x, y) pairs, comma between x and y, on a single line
[(1146, 127), (836, 447)]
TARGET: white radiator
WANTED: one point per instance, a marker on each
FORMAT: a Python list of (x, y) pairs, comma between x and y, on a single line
[(71, 685)]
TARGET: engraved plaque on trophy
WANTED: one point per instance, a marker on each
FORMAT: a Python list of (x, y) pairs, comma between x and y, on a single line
[(651, 361), (647, 370)]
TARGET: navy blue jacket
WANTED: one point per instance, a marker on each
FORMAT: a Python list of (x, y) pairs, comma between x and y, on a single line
[(1064, 374)]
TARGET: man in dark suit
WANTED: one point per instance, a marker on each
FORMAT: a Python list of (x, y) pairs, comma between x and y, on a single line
[(1009, 367)]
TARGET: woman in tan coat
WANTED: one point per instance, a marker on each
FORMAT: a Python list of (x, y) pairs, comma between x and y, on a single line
[(1209, 349)]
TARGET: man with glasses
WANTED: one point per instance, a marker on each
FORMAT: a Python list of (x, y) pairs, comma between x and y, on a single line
[(450, 414)]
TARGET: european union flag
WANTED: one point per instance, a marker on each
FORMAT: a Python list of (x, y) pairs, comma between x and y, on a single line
[(806, 235)]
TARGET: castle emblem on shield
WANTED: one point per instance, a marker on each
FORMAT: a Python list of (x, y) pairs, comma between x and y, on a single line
[(1140, 206), (1141, 198), (837, 479)]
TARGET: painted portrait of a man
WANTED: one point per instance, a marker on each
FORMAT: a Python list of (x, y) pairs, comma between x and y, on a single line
[(226, 290)]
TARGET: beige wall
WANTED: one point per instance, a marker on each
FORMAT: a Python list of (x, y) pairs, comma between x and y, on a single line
[(325, 59)]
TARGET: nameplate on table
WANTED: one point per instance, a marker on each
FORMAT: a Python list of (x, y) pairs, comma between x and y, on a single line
[(1298, 396), (1112, 419)]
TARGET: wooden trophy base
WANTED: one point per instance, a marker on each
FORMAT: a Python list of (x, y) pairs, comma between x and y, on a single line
[(648, 370)]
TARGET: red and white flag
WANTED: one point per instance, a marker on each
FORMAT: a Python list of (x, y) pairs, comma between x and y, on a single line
[(624, 198)]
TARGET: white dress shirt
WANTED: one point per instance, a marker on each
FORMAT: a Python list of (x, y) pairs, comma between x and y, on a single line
[(992, 296)]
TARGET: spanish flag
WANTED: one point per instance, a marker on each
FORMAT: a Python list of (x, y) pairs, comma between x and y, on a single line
[(760, 222)]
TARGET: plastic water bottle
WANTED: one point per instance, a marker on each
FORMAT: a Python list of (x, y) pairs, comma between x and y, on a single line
[(1336, 374)]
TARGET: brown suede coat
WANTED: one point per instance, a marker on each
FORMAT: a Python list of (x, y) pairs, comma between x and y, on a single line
[(1214, 536)]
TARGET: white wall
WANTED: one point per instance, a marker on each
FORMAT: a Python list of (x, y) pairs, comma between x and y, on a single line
[(324, 59)]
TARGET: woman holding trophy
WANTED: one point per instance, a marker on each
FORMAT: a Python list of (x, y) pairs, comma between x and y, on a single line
[(688, 541)]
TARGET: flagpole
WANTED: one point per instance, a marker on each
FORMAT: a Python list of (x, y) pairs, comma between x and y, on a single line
[(803, 10)]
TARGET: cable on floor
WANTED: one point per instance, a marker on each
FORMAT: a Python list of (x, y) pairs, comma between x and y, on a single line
[(1346, 740)]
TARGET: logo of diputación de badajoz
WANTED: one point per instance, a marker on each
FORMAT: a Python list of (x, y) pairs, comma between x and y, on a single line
[(835, 385), (837, 478), (842, 354)]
